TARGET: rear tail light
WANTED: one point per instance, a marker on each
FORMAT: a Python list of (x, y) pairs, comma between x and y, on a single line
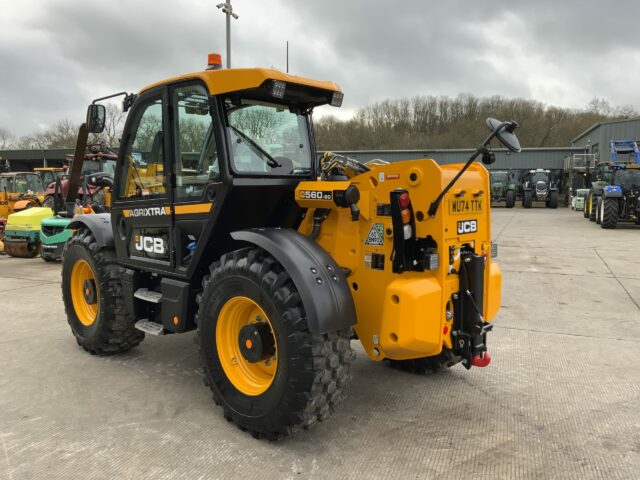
[(404, 238)]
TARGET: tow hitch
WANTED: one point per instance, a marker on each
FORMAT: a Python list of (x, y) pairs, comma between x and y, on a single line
[(470, 330)]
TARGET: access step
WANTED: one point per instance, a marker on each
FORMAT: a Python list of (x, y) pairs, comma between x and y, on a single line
[(147, 326), (148, 295)]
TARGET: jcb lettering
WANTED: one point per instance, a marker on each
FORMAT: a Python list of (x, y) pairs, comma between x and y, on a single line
[(467, 226), (150, 244)]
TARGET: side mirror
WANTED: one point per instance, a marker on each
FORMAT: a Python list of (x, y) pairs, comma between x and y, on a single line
[(504, 133), (96, 116)]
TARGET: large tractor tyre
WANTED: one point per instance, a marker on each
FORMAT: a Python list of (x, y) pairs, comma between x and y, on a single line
[(49, 201), (585, 208), (609, 213), (527, 199), (599, 207), (443, 360), (270, 374), (511, 199), (553, 200), (593, 208), (93, 297)]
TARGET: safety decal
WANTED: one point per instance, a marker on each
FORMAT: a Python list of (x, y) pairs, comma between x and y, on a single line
[(376, 235)]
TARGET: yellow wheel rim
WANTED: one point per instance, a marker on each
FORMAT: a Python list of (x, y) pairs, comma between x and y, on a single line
[(84, 292), (249, 378)]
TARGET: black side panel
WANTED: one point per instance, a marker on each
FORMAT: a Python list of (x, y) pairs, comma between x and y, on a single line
[(100, 226), (175, 303), (319, 280)]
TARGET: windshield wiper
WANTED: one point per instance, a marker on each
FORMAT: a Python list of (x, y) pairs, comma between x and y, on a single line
[(268, 158)]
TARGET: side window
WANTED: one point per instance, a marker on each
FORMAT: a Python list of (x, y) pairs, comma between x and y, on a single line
[(143, 172), (34, 184), (196, 156)]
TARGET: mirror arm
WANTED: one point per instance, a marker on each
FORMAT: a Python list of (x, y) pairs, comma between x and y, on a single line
[(481, 150)]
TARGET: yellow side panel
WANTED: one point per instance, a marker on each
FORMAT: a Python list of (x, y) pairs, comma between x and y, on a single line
[(411, 318), (493, 292)]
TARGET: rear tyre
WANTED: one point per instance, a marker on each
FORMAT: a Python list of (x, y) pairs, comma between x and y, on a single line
[(609, 215), (553, 199), (293, 382), (593, 207), (527, 199), (511, 199), (445, 359), (93, 297), (585, 207), (48, 201)]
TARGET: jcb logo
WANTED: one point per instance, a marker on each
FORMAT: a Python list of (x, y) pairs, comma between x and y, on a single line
[(467, 226), (149, 244)]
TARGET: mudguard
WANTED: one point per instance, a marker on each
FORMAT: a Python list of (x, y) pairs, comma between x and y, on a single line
[(99, 224), (320, 281), (597, 188), (612, 191)]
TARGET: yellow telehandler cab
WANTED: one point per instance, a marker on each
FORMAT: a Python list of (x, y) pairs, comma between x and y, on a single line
[(225, 221)]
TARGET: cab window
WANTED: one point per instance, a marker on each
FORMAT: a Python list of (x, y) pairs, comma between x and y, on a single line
[(143, 170), (196, 157), (34, 184)]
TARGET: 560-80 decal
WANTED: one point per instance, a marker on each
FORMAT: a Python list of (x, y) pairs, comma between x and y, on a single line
[(315, 195)]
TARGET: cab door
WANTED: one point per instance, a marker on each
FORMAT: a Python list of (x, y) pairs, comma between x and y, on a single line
[(141, 212), (198, 189)]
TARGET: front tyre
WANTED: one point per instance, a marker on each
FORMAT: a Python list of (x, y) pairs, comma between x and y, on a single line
[(93, 298), (270, 374), (609, 212), (511, 198)]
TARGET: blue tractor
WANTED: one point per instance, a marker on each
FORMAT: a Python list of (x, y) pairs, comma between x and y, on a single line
[(618, 200)]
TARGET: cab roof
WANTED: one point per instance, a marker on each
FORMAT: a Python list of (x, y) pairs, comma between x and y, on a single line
[(236, 79)]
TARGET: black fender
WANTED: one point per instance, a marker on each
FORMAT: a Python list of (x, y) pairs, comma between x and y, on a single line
[(99, 224), (320, 281), (597, 189)]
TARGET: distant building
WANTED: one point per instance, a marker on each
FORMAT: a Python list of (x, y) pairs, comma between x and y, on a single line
[(596, 139)]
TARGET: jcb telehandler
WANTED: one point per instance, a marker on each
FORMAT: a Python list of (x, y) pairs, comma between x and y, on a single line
[(277, 259)]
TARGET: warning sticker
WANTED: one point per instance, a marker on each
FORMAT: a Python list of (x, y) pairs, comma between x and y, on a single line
[(375, 236)]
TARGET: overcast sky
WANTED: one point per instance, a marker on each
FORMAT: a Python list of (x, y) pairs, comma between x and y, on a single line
[(57, 55)]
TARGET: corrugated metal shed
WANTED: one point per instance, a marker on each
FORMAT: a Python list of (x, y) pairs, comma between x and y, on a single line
[(26, 160), (597, 138), (529, 158)]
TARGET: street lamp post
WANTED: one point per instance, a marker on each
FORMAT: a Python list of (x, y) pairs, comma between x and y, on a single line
[(227, 9)]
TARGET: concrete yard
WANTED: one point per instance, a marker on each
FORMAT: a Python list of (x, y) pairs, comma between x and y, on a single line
[(561, 398)]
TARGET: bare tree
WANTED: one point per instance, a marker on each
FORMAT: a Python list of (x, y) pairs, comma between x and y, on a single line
[(6, 138)]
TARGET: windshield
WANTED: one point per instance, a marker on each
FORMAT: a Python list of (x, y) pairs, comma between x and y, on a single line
[(539, 176), (628, 179), (6, 184), (499, 177), (94, 166), (267, 138)]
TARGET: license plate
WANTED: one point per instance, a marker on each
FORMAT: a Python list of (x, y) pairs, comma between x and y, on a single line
[(464, 206)]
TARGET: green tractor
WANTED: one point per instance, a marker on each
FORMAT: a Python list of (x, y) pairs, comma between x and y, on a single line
[(537, 186), (503, 187)]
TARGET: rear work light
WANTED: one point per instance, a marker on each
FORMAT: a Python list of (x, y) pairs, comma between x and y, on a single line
[(277, 88), (336, 99)]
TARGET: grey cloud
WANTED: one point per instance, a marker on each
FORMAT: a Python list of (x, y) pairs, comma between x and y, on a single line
[(64, 53)]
